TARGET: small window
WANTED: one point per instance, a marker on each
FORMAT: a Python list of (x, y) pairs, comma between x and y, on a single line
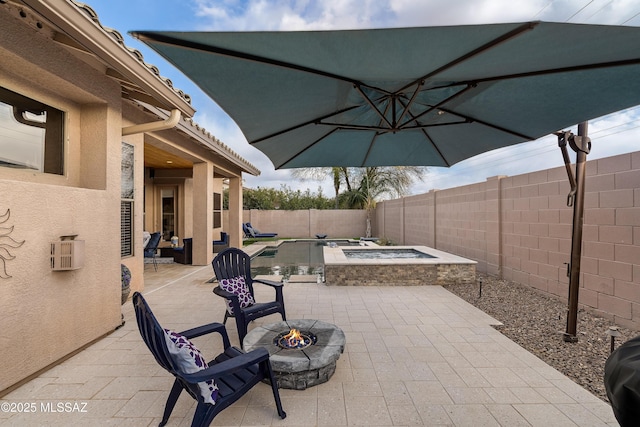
[(31, 134), (217, 210), (126, 202), (126, 228)]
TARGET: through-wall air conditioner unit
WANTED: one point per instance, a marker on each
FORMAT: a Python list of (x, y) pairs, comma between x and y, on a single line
[(67, 254)]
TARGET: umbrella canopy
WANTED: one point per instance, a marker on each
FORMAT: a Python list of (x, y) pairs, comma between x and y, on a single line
[(431, 96)]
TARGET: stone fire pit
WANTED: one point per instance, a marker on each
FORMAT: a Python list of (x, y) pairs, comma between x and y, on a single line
[(300, 368)]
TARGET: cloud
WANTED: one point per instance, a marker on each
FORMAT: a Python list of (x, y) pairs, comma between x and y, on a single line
[(295, 15), (463, 12), (291, 15)]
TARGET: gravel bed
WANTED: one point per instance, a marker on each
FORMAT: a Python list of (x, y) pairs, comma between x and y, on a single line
[(536, 322)]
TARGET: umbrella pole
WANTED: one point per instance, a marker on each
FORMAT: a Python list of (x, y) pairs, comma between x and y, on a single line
[(581, 144)]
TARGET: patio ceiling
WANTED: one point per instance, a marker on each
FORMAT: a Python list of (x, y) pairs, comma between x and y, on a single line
[(157, 158)]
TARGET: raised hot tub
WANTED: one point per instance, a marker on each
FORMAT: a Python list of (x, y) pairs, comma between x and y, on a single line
[(395, 266)]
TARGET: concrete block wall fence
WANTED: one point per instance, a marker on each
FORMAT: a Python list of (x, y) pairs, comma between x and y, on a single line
[(519, 228), (305, 224)]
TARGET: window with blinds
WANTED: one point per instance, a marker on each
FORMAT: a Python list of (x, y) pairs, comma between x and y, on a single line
[(126, 228), (126, 202)]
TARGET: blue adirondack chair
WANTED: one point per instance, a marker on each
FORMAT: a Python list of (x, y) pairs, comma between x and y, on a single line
[(232, 263), (234, 371)]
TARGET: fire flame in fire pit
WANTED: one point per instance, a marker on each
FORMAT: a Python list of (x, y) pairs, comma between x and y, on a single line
[(294, 338)]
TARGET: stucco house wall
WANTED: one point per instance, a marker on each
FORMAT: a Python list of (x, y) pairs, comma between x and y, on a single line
[(47, 314), (58, 53)]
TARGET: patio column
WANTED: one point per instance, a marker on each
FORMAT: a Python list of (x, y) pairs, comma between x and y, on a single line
[(202, 253), (235, 212)]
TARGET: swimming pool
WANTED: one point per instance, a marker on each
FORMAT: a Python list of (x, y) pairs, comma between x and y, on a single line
[(369, 264), (299, 257)]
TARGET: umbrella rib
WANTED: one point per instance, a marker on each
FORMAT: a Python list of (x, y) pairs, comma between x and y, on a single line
[(357, 127), (435, 147), (435, 125), (375, 136), (317, 120), (493, 43), (379, 128), (306, 148), (410, 103), (373, 106), (426, 135), (435, 107), (585, 67), (366, 156), (467, 119), (150, 36), (491, 125)]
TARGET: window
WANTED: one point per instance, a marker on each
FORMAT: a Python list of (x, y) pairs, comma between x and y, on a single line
[(126, 228), (217, 210), (31, 134), (169, 211), (126, 202)]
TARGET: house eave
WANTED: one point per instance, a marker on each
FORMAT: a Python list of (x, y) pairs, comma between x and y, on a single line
[(208, 141), (81, 30)]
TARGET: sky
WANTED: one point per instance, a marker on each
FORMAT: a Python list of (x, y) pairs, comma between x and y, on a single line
[(610, 135)]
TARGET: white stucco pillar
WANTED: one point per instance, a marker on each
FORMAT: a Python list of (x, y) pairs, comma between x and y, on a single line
[(202, 213), (235, 212)]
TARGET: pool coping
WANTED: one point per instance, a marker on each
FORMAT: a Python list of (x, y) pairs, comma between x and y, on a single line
[(256, 248), (335, 256)]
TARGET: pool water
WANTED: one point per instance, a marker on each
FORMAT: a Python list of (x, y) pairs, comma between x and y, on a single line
[(293, 258), (385, 254)]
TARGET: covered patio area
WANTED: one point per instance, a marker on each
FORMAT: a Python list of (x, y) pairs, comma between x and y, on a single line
[(414, 356)]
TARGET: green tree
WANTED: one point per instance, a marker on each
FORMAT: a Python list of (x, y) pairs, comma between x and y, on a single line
[(384, 181), (379, 183), (285, 198), (339, 176)]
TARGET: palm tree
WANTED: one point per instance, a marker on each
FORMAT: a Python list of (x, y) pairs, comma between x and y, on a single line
[(376, 183), (337, 174), (379, 182)]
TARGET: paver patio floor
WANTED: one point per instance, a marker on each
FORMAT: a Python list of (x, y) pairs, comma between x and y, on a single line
[(414, 356)]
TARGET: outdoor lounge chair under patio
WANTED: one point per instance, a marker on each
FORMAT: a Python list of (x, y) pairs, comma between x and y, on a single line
[(183, 254), (216, 384), (152, 247), (249, 231), (223, 243), (233, 271)]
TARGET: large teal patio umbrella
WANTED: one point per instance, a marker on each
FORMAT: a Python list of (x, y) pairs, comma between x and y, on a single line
[(430, 96), (407, 96)]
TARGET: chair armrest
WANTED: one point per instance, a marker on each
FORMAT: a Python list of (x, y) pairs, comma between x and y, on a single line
[(235, 302), (277, 286), (228, 366), (208, 329), (224, 294), (271, 283)]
